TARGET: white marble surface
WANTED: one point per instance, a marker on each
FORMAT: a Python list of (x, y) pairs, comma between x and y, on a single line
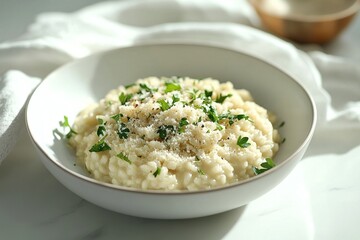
[(319, 200)]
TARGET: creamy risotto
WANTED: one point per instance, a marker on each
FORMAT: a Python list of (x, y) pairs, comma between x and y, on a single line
[(175, 134)]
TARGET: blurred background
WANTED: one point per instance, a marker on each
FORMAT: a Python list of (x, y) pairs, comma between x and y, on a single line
[(16, 15)]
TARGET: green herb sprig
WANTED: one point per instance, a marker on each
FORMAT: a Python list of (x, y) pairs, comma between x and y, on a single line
[(65, 124), (124, 98), (146, 88), (243, 142), (157, 172), (100, 146), (164, 105), (164, 130), (182, 124), (232, 117), (101, 131), (122, 156), (123, 131), (169, 87), (221, 98), (269, 164)]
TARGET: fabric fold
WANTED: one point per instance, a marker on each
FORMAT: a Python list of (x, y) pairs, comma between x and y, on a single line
[(15, 88)]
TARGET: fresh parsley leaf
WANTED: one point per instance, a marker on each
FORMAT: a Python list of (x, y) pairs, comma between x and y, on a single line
[(157, 172), (164, 130), (219, 127), (183, 122), (100, 146), (211, 113), (232, 118), (164, 105), (117, 117), (207, 100), (221, 98), (123, 157), (65, 124), (243, 142), (193, 95), (145, 87), (101, 130), (208, 94), (169, 87), (130, 85), (123, 98), (175, 99), (201, 172), (100, 121), (123, 131), (242, 116), (265, 166)]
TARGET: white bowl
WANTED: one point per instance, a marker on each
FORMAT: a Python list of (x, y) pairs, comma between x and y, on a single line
[(75, 85)]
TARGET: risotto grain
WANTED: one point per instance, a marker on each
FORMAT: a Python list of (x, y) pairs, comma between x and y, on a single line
[(174, 134)]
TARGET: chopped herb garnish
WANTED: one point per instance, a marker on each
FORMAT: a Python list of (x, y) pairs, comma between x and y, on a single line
[(243, 142), (164, 105), (281, 124), (183, 122), (211, 113), (197, 159), (123, 131), (123, 98), (232, 118), (130, 85), (100, 146), (208, 94), (169, 87), (283, 140), (145, 87), (164, 130), (117, 117), (265, 166), (175, 99), (100, 120), (101, 130), (157, 172), (219, 127), (65, 124), (207, 100), (221, 98), (193, 95), (201, 172), (123, 157)]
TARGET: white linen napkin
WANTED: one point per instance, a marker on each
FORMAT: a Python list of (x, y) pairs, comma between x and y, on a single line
[(15, 87)]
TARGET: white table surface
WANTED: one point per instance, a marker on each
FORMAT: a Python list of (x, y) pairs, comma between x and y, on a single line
[(33, 205)]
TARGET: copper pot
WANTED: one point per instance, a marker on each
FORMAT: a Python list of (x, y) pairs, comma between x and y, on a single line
[(306, 21)]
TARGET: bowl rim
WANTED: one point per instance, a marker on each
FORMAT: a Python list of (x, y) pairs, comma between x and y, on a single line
[(110, 186), (347, 12)]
